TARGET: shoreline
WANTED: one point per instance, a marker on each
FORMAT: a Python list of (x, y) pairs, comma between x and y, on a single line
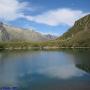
[(42, 48)]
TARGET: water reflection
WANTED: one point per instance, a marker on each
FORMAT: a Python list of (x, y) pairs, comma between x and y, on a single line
[(63, 72), (27, 69)]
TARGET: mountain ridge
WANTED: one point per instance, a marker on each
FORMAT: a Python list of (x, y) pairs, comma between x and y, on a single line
[(79, 34), (19, 34)]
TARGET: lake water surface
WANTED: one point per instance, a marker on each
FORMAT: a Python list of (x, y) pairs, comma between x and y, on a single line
[(45, 70)]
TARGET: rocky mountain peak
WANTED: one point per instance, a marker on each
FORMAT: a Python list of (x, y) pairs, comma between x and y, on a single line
[(84, 23)]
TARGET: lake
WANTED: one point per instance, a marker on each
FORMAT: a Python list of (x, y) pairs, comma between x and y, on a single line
[(67, 69)]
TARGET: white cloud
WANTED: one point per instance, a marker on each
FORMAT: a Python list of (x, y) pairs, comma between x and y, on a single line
[(11, 9), (57, 17)]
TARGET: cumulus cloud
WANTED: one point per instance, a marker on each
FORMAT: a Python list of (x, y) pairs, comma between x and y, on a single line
[(57, 17), (11, 9)]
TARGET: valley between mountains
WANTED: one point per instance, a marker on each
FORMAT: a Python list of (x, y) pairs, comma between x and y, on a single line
[(78, 36)]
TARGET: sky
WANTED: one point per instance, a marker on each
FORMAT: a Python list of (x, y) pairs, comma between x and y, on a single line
[(45, 16)]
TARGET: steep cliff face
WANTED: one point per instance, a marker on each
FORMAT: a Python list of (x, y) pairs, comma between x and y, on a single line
[(79, 34), (17, 34)]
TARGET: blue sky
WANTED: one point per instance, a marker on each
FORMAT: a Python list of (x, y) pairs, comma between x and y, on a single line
[(46, 16)]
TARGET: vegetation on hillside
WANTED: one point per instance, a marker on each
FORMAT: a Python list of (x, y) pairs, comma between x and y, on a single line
[(77, 36)]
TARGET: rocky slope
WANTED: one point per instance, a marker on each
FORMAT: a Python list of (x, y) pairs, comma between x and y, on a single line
[(10, 33), (49, 36), (79, 34)]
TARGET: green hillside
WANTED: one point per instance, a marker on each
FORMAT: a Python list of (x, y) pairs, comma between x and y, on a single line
[(78, 35)]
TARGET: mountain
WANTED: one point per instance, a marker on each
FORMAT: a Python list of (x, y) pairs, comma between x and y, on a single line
[(10, 33), (79, 34), (52, 37)]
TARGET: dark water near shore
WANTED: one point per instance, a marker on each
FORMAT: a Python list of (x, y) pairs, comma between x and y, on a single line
[(46, 70)]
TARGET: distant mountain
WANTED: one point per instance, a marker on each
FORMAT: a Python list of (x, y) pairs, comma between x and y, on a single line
[(79, 34), (10, 33), (49, 36)]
